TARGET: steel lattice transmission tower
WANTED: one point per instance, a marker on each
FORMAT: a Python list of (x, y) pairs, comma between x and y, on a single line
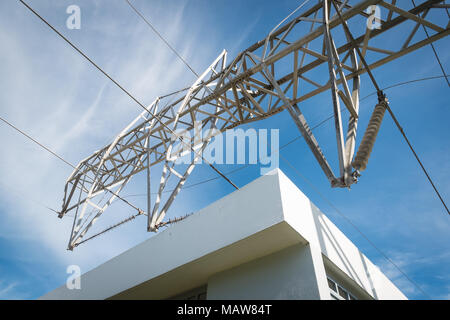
[(255, 86)]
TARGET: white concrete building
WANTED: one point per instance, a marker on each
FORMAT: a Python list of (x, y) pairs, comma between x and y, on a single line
[(264, 241)]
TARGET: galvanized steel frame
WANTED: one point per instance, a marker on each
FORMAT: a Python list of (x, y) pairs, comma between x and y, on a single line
[(250, 88)]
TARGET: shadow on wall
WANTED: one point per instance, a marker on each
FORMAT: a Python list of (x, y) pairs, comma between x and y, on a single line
[(322, 225)]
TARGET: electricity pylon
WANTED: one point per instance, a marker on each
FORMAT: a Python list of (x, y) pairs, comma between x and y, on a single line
[(306, 56)]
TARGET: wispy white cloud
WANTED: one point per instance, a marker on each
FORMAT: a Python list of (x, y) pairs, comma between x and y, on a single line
[(6, 290), (409, 263), (66, 104)]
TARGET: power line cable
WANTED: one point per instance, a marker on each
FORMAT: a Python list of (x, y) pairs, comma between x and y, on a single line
[(446, 9), (162, 38), (63, 160), (35, 141), (126, 92), (403, 83), (434, 49)]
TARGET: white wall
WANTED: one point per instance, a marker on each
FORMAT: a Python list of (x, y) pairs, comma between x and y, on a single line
[(316, 228), (287, 274)]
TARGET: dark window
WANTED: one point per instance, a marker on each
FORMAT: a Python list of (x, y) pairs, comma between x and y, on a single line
[(332, 285), (343, 293)]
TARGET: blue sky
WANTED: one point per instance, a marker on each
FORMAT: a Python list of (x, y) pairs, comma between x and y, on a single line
[(52, 93)]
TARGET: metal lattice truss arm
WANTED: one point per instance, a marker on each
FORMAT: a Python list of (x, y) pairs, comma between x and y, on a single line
[(276, 73)]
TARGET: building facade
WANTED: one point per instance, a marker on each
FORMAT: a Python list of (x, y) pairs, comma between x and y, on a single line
[(264, 241)]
